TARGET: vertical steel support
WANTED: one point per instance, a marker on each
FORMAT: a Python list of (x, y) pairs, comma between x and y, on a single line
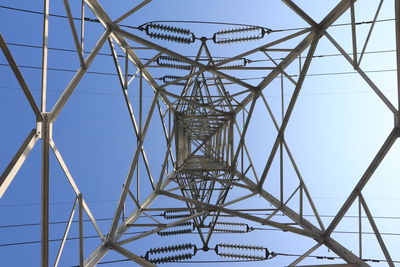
[(359, 228), (281, 142), (301, 200), (45, 189), (83, 26), (140, 130), (353, 32), (370, 33), (44, 52), (397, 22), (45, 142), (81, 254), (246, 126)]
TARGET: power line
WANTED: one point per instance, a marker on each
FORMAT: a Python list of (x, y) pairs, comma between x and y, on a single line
[(243, 79), (192, 21), (318, 257), (57, 240), (77, 92), (189, 261), (50, 223), (100, 73), (116, 200), (193, 233), (330, 257), (61, 69), (145, 96), (53, 203), (257, 60), (57, 49), (251, 213)]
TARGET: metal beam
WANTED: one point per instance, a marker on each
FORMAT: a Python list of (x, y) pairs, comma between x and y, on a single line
[(364, 179), (397, 24), (132, 168), (370, 32), (290, 107), (353, 32), (338, 11), (124, 88), (46, 136), (336, 247), (77, 78), (19, 158), (306, 254), (20, 78), (132, 256), (75, 187), (74, 33), (362, 74), (133, 10), (45, 39), (181, 57), (65, 235), (240, 215), (376, 231), (301, 13)]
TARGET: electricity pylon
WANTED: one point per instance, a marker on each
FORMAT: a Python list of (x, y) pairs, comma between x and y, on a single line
[(205, 127)]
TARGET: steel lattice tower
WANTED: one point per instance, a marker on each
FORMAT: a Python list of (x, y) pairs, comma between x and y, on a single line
[(204, 126)]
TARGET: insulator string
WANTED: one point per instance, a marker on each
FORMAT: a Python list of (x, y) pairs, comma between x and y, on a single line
[(223, 251), (228, 36)]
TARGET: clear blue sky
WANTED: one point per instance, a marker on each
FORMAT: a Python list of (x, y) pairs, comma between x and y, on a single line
[(337, 126)]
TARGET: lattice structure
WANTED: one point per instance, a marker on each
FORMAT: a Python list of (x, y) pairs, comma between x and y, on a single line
[(206, 108)]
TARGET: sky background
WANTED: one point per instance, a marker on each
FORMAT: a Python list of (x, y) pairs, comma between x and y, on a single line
[(336, 129)]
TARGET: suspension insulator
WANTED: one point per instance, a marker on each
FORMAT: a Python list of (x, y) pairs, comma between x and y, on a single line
[(239, 62), (239, 30), (237, 228), (179, 247), (169, 78), (180, 257), (233, 35), (176, 66), (231, 231), (167, 28), (231, 223), (171, 249), (167, 59), (179, 35), (242, 256), (223, 251), (171, 62), (175, 214), (172, 38), (237, 246), (175, 232), (184, 224), (222, 215), (236, 40)]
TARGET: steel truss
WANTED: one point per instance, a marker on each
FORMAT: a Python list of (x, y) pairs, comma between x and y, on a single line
[(206, 145)]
